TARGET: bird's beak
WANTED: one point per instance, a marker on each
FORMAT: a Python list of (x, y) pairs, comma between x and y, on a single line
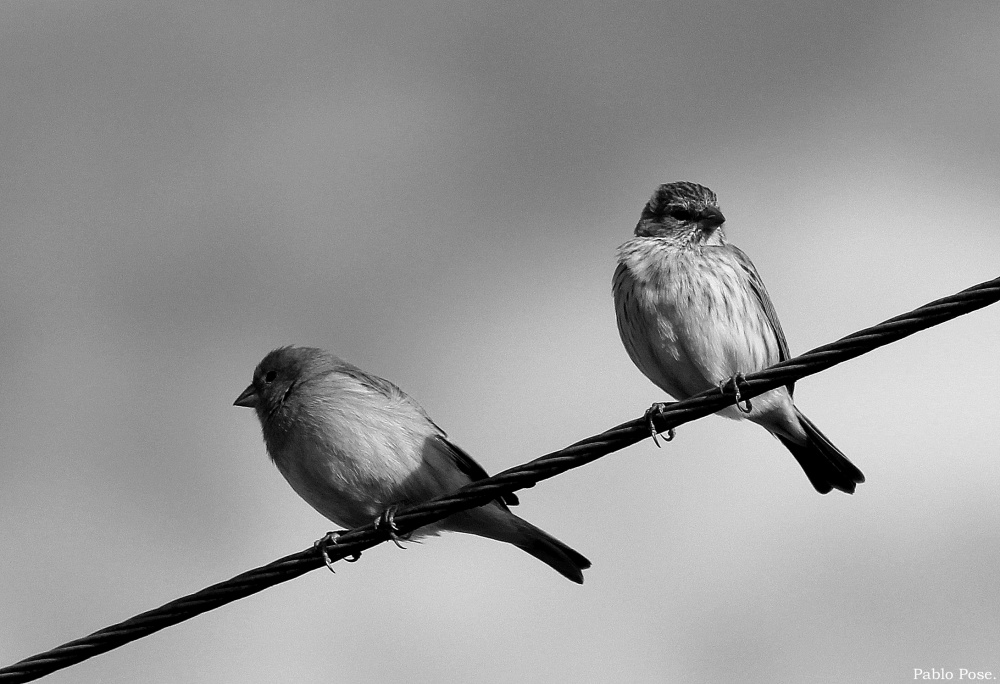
[(711, 218), (249, 398)]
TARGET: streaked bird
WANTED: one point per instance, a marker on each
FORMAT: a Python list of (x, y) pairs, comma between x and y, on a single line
[(693, 314), (354, 446)]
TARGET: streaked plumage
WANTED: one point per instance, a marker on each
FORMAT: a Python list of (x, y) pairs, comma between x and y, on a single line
[(693, 312), (353, 445)]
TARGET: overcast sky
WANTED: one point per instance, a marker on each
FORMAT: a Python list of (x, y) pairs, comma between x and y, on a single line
[(435, 191)]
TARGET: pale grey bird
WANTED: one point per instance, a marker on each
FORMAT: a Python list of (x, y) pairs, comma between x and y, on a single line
[(354, 446), (693, 314)]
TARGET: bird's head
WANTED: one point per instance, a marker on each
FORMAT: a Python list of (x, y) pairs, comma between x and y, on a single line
[(686, 212), (277, 377)]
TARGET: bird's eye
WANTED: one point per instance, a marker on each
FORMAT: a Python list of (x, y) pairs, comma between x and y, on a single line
[(681, 213), (269, 376)]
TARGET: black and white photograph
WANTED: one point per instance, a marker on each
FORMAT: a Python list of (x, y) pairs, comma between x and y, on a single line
[(293, 288)]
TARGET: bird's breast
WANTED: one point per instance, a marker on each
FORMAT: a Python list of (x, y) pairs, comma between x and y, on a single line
[(688, 316)]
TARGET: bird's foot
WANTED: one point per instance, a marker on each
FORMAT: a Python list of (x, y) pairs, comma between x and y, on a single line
[(388, 518), (735, 382), (657, 408), (325, 542)]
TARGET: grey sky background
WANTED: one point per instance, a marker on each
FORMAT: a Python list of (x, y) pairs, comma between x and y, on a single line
[(435, 191)]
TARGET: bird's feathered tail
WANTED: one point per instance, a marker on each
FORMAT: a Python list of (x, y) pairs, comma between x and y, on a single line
[(496, 522), (825, 466), (546, 548)]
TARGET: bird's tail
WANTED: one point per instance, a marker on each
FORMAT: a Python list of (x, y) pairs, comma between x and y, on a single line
[(546, 548), (825, 466), (496, 522)]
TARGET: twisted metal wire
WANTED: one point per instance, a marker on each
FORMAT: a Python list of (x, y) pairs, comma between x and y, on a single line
[(409, 518)]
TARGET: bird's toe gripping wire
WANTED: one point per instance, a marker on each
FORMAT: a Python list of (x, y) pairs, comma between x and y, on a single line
[(735, 382), (657, 408), (325, 542), (388, 518)]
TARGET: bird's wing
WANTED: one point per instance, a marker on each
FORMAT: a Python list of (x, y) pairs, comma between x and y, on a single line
[(382, 386), (757, 285), (468, 465), (462, 460)]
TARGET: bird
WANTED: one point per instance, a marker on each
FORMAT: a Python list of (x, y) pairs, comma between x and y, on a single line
[(693, 314), (355, 446)]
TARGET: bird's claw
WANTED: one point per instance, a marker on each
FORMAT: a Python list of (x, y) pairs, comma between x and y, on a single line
[(331, 538), (735, 382), (387, 518), (657, 408)]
